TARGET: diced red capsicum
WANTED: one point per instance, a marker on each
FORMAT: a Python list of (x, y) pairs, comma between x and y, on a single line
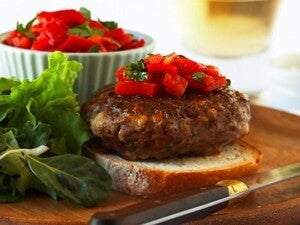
[(120, 73), (160, 68), (50, 31), (133, 44), (212, 71), (120, 36), (208, 83), (136, 88), (106, 44), (174, 84), (53, 34), (18, 39), (156, 58), (70, 17), (172, 74), (185, 66), (76, 44), (98, 25)]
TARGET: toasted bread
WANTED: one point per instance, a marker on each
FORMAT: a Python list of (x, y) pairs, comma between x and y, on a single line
[(160, 177)]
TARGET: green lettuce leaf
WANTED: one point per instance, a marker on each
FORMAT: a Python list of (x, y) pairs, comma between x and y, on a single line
[(40, 116), (50, 100), (73, 177)]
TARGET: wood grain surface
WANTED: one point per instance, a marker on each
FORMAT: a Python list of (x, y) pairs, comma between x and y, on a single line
[(275, 133)]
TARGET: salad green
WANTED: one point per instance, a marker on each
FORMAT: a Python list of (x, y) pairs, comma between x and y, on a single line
[(41, 134)]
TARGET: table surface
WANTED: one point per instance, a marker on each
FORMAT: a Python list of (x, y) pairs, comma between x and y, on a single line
[(275, 133)]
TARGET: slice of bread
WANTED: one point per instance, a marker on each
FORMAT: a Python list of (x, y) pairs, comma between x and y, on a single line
[(152, 177)]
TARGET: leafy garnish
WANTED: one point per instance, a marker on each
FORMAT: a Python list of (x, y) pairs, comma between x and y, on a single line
[(44, 112), (85, 30), (109, 24), (49, 99), (198, 76), (86, 13), (26, 30), (73, 177), (136, 71), (228, 82), (7, 84), (95, 48)]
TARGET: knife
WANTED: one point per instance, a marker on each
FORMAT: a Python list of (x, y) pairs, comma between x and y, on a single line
[(194, 204)]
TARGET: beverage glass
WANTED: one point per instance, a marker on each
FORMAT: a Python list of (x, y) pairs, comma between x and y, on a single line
[(284, 90), (232, 34), (226, 28)]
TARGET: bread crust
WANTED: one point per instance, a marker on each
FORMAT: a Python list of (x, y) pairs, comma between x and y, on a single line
[(157, 178)]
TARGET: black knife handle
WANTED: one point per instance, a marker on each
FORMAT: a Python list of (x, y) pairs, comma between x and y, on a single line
[(154, 210)]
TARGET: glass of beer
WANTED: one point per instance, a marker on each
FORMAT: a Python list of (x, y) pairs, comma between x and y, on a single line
[(226, 28)]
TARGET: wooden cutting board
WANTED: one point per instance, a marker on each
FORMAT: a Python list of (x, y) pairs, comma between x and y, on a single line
[(276, 133)]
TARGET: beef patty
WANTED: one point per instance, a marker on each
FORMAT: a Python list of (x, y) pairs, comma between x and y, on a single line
[(162, 127)]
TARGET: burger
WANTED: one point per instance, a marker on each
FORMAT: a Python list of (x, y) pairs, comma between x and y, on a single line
[(170, 124)]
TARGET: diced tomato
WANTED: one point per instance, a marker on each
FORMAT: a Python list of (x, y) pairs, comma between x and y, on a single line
[(133, 44), (76, 44), (136, 88), (48, 30), (218, 83), (120, 74), (98, 25), (202, 84), (46, 17), (208, 83), (37, 28), (110, 44), (70, 17), (212, 71), (156, 58), (120, 36), (54, 34), (42, 43), (172, 74), (160, 68), (186, 67), (174, 84), (98, 41), (170, 58), (18, 39), (105, 43)]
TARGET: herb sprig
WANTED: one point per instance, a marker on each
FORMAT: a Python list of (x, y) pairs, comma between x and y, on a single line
[(136, 71)]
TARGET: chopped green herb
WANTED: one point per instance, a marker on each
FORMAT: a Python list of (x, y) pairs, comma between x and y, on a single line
[(85, 12), (85, 30), (139, 65), (95, 48), (198, 76), (26, 30), (228, 82), (136, 71), (110, 24)]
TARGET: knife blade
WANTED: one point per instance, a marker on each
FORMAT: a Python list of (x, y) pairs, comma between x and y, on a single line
[(194, 204)]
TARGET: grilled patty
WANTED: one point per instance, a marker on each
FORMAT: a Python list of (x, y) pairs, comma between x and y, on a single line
[(139, 127)]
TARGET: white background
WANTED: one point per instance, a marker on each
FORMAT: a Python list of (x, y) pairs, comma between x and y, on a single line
[(157, 18)]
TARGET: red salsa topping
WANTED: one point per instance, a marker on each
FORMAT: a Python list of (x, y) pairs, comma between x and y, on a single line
[(70, 30), (171, 74)]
